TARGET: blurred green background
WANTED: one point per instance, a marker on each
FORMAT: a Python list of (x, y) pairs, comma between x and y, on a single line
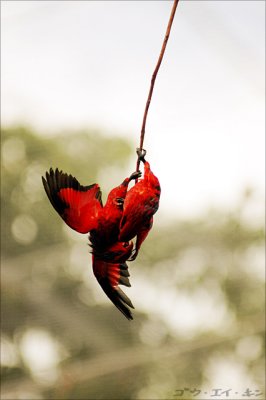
[(197, 285)]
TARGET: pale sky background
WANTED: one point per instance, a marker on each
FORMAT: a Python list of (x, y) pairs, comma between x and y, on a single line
[(71, 64)]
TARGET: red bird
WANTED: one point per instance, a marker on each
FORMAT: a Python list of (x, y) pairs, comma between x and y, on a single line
[(125, 215), (141, 203), (82, 209)]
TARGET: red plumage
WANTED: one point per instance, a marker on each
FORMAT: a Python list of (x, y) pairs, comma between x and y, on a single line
[(141, 203), (125, 215)]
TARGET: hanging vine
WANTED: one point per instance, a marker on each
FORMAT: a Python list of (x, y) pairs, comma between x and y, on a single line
[(154, 75)]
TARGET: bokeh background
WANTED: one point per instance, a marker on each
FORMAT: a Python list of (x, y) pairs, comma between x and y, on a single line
[(75, 77)]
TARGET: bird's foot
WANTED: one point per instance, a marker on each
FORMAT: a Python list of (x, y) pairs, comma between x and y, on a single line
[(135, 175), (141, 154)]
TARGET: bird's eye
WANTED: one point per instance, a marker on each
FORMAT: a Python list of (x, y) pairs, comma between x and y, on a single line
[(119, 201)]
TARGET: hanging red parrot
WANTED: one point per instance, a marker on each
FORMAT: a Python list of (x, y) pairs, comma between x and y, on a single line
[(125, 215), (81, 208), (141, 203)]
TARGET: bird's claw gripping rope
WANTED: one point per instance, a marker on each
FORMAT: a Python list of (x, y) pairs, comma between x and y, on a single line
[(141, 154)]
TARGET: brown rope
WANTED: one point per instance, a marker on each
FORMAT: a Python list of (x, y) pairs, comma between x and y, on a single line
[(167, 34)]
